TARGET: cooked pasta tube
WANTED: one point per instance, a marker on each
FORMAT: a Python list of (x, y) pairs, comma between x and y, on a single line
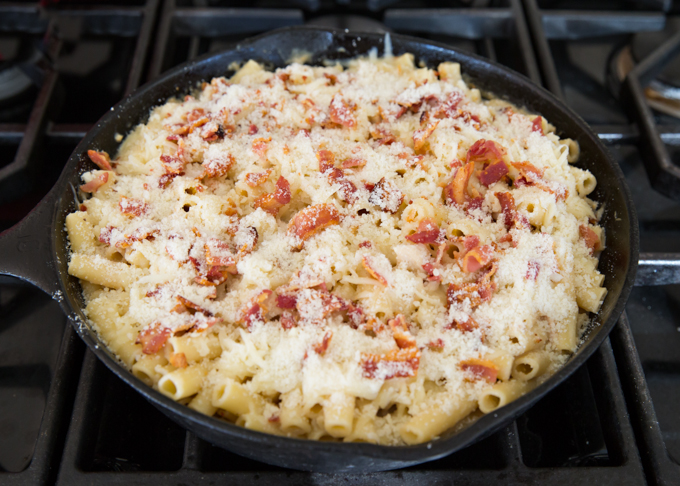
[(435, 419), (183, 382), (338, 411), (530, 365), (503, 393)]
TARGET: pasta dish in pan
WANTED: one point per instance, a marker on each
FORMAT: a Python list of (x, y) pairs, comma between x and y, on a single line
[(368, 253)]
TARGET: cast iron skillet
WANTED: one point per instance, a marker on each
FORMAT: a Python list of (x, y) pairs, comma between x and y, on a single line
[(36, 249)]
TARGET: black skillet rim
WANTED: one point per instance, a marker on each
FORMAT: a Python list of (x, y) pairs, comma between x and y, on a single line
[(413, 454)]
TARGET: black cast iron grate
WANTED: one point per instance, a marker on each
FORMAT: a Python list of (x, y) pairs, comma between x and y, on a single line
[(89, 428)]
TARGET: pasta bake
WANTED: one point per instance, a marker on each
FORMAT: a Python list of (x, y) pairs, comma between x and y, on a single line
[(362, 252)]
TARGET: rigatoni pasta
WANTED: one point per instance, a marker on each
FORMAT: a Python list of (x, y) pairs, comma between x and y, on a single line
[(361, 252)]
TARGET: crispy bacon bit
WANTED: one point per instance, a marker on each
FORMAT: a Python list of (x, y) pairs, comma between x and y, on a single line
[(449, 107), (153, 338), (96, 182), (532, 270), (214, 276), (537, 125), (217, 253), (386, 196), (252, 130), (436, 344), (312, 220), (101, 159), (172, 165), (434, 274), (353, 163), (590, 238), (254, 179), (336, 176), (477, 258), (217, 166), (255, 310), (480, 369), (165, 180), (464, 326), (365, 244), (476, 292), (493, 173), (401, 333), (132, 207), (369, 266), (137, 235), (247, 239), (382, 136), (288, 320), (273, 201), (428, 232), (320, 348), (356, 316), (341, 112), (486, 151), (326, 160), (511, 217), (195, 114), (455, 192), (178, 360), (261, 145), (285, 301), (398, 363), (420, 136)]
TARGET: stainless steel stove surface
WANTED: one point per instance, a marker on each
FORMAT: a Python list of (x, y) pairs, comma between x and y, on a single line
[(65, 419)]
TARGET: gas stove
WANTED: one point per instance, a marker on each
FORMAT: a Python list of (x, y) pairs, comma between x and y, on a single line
[(66, 420)]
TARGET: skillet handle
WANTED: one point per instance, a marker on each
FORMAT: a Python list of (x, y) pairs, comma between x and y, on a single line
[(26, 248)]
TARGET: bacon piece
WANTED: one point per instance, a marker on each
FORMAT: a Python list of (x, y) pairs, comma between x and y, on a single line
[(354, 163), (214, 276), (254, 179), (533, 268), (217, 253), (273, 201), (341, 112), (336, 176), (511, 217), (428, 232), (137, 235), (590, 238), (532, 176), (195, 114), (433, 272), (420, 136), (96, 182), (365, 244), (254, 311), (537, 125), (398, 363), (477, 258), (153, 338), (400, 332), (217, 166), (172, 165), (480, 369), (464, 326), (165, 180), (101, 159), (493, 173), (356, 315), (320, 348), (456, 190), (178, 360), (312, 220), (367, 264), (477, 292), (247, 239), (449, 107), (382, 136), (386, 196), (486, 151), (286, 301), (132, 207), (190, 305), (436, 344), (326, 160), (288, 320)]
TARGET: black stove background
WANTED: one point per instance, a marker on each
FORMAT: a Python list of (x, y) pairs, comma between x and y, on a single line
[(65, 419)]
